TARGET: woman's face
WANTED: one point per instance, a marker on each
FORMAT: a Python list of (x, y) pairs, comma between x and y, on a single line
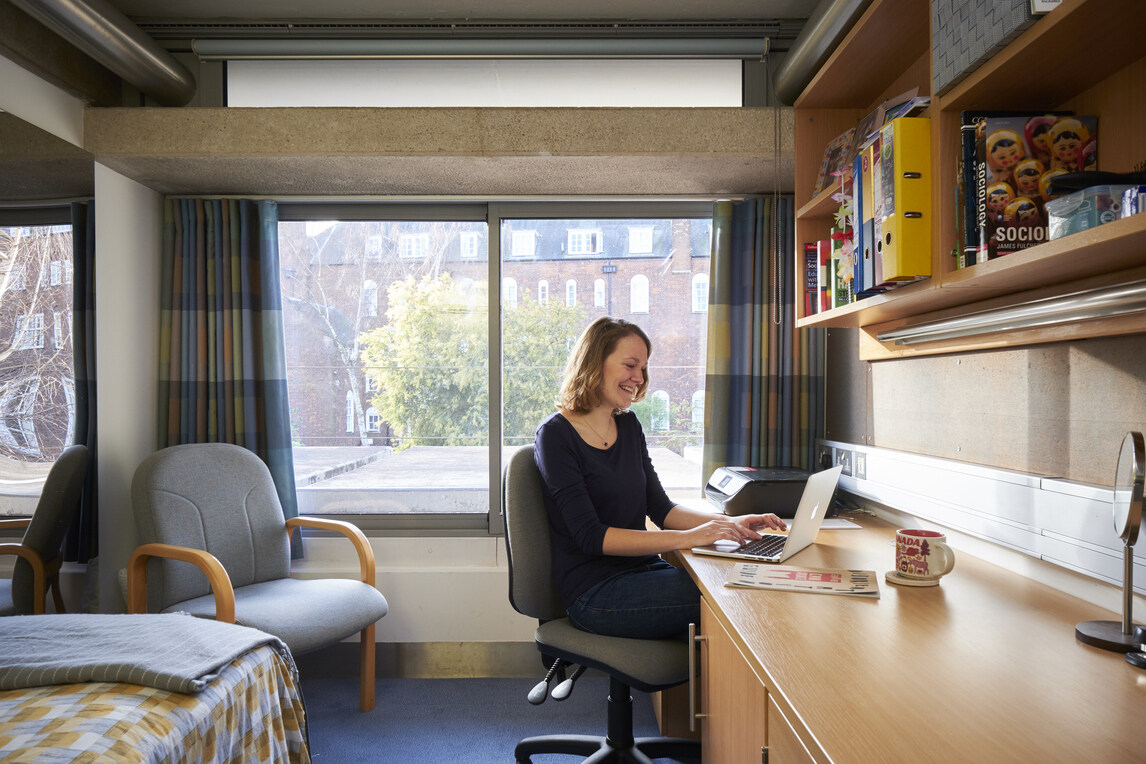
[(623, 372)]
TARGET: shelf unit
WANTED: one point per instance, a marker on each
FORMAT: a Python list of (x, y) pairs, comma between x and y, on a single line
[(1086, 56)]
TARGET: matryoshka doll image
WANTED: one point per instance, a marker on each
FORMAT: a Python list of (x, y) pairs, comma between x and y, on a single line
[(1027, 174), (1004, 150), (999, 195), (1038, 141), (1022, 211), (1067, 137), (1044, 184)]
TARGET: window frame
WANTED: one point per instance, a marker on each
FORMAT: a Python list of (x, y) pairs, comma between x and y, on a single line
[(492, 212)]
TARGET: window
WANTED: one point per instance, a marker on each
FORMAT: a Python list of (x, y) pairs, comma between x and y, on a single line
[(509, 292), (374, 247), (700, 293), (413, 246), (29, 332), (470, 242), (584, 242), (523, 244), (369, 298), (698, 411), (639, 294), (641, 240), (392, 403), (37, 387), (660, 410)]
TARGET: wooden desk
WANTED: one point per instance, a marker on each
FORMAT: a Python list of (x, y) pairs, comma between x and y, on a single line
[(983, 668)]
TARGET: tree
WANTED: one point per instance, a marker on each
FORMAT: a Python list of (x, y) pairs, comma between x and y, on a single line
[(430, 362), (37, 384), (331, 272)]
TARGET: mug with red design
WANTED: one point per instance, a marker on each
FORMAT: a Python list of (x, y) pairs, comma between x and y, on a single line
[(922, 554)]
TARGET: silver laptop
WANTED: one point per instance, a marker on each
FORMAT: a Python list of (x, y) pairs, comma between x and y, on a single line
[(802, 529)]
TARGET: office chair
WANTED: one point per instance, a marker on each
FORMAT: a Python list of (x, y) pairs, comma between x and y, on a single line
[(215, 505), (38, 568), (647, 664)]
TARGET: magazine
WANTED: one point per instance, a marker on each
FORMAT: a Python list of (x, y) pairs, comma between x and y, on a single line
[(789, 578)]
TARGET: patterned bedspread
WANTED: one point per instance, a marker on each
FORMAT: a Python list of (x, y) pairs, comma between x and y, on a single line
[(251, 713)]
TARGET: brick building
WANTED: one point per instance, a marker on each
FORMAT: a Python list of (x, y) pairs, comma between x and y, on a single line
[(335, 278), (37, 385)]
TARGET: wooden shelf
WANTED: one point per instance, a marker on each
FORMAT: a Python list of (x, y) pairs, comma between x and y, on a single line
[(889, 34), (1032, 72)]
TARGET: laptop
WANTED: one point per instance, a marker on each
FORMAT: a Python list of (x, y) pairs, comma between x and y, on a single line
[(802, 529)]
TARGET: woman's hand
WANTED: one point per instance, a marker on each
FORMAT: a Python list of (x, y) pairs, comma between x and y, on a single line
[(751, 522)]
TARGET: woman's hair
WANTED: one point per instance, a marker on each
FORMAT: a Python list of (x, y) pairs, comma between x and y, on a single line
[(581, 384)]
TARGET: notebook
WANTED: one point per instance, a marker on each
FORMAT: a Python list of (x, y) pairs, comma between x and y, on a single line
[(802, 529)]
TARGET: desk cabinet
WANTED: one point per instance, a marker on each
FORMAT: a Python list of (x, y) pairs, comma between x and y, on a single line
[(740, 721)]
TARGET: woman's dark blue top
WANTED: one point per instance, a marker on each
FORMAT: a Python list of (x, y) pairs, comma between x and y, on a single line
[(588, 490)]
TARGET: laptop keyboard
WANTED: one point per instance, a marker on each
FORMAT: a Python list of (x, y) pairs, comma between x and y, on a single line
[(768, 545)]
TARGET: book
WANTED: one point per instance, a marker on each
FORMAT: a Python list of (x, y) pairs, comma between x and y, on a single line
[(904, 182), (972, 185), (833, 159), (790, 578), (811, 278), (1020, 155), (824, 276)]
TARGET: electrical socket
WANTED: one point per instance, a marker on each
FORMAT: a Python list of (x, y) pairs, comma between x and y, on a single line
[(846, 458), (860, 465), (824, 457)]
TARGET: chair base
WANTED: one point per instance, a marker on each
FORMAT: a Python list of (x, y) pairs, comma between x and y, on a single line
[(601, 749), (618, 745)]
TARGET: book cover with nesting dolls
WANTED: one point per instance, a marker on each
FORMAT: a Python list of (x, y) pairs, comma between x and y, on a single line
[(1017, 156)]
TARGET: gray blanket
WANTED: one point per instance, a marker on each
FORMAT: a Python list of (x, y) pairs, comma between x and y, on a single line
[(168, 651)]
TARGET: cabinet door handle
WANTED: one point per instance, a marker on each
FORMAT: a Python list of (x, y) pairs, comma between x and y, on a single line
[(693, 640)]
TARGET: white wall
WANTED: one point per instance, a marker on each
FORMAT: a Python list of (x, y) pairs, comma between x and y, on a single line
[(129, 220), (40, 103)]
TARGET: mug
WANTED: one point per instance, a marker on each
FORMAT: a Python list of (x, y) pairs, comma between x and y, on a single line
[(922, 554)]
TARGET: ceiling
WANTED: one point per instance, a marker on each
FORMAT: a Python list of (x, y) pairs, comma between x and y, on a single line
[(472, 10)]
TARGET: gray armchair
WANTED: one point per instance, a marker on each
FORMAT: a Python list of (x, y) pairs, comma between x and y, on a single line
[(38, 568), (647, 664), (214, 505)]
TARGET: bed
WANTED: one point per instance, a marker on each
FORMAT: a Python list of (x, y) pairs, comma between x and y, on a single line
[(146, 688)]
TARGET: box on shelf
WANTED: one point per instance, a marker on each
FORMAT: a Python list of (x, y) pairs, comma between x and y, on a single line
[(1133, 201), (1084, 209)]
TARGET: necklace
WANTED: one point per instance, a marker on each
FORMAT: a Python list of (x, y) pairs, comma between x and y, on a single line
[(604, 440)]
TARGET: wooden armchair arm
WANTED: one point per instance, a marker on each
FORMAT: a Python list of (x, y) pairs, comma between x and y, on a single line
[(356, 536), (217, 578), (39, 573)]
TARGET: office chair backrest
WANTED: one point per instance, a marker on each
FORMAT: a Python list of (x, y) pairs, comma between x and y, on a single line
[(531, 588), (57, 507), (211, 496)]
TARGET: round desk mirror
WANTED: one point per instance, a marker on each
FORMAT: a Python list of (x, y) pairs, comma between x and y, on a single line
[(1111, 635), (1128, 488)]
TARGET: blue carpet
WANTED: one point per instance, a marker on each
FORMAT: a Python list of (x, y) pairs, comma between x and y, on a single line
[(447, 720)]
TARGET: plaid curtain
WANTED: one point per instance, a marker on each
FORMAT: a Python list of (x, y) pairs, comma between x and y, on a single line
[(82, 540), (764, 385), (222, 368)]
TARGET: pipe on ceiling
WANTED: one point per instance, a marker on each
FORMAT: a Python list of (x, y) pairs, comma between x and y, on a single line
[(821, 34), (296, 48), (109, 37)]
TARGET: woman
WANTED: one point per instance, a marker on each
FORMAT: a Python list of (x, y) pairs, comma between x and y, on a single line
[(600, 486)]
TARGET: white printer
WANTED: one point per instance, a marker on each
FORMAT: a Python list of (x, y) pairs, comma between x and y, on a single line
[(747, 490)]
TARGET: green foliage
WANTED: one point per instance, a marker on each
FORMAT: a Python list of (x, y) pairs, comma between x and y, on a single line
[(429, 362)]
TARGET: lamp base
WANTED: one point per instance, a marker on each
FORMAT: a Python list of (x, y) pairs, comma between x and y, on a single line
[(1108, 636)]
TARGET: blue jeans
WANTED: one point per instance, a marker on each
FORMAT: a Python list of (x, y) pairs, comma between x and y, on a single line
[(657, 601)]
